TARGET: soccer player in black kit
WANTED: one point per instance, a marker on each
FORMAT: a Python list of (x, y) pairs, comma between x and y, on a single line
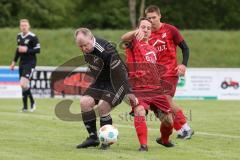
[(108, 88), (27, 48)]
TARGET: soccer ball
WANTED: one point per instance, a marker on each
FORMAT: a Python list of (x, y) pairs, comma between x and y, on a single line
[(108, 134)]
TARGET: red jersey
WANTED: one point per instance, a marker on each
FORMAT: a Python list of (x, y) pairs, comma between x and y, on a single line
[(141, 52), (165, 41), (144, 72)]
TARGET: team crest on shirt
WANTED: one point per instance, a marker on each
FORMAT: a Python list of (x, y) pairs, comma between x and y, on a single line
[(164, 35), (26, 41), (151, 57)]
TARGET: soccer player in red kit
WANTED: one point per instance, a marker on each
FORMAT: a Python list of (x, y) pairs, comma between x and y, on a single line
[(165, 38), (142, 59)]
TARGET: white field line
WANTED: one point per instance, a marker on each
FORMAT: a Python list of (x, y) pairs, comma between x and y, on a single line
[(197, 133)]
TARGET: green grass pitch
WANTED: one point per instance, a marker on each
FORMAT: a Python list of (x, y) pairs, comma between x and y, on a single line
[(42, 136)]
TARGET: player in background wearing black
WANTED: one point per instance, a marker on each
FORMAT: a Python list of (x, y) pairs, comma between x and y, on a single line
[(27, 48), (108, 88)]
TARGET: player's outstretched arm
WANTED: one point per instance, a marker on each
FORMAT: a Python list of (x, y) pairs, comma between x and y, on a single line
[(129, 35)]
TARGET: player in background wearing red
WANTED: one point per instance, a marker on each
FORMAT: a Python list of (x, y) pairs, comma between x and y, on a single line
[(165, 38), (144, 79)]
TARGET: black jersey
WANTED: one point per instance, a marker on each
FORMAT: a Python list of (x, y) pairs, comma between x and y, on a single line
[(108, 70), (102, 55), (106, 66), (29, 40)]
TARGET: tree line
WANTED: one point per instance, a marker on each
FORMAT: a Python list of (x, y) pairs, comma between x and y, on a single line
[(120, 14)]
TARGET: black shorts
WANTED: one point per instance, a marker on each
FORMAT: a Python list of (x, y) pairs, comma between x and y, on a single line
[(26, 70), (103, 91)]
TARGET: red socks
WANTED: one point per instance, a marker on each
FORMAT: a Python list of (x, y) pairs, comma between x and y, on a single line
[(166, 131), (141, 129), (178, 120)]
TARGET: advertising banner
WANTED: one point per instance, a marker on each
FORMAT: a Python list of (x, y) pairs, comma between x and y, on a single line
[(209, 83), (9, 83), (198, 83)]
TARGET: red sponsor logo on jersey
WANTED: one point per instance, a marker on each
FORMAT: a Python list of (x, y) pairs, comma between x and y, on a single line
[(151, 57)]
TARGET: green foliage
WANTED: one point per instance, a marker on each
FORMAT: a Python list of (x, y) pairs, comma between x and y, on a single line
[(102, 14), (204, 14), (185, 14), (41, 13)]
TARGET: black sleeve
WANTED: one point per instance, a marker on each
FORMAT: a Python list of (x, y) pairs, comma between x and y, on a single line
[(185, 52), (16, 56), (36, 46), (15, 59)]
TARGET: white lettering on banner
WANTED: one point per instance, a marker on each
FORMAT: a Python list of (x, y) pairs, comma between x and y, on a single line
[(201, 83), (32, 84), (38, 84), (49, 75), (41, 75), (209, 83), (34, 76), (43, 84)]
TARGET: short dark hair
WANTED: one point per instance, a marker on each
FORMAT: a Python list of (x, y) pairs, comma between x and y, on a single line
[(152, 8), (142, 19)]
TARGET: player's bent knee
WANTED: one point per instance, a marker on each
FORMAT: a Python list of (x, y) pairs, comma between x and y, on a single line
[(104, 108), (24, 83), (86, 103), (139, 111), (167, 119), (169, 98), (175, 109)]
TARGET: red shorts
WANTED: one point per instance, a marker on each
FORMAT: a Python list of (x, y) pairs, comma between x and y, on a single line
[(173, 81), (155, 103), (160, 101)]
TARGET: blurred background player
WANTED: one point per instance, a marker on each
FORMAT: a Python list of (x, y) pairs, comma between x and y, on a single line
[(165, 38), (28, 47), (103, 60), (145, 76)]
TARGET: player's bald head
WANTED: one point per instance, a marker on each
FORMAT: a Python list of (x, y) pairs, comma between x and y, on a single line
[(81, 34), (84, 39)]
